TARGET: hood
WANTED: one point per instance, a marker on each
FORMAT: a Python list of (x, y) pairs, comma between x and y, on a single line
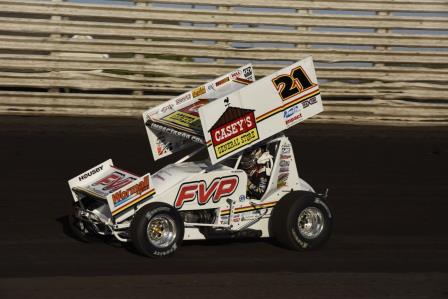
[(172, 174)]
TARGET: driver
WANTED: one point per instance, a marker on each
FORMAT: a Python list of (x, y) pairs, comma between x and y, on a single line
[(257, 164)]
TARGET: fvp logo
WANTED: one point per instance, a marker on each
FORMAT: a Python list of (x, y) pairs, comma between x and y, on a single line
[(112, 182), (198, 190)]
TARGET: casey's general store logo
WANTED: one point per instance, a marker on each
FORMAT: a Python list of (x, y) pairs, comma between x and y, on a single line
[(234, 129)]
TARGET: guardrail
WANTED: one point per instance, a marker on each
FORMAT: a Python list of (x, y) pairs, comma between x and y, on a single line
[(378, 61)]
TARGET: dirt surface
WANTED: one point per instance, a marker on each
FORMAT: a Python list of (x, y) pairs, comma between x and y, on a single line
[(388, 188)]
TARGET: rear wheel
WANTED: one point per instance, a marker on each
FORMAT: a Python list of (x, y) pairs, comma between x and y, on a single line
[(301, 221), (157, 230)]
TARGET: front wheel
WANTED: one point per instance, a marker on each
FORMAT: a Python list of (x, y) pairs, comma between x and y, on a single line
[(157, 230), (301, 221)]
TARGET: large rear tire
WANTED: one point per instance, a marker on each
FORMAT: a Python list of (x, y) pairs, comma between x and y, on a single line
[(157, 230), (301, 221)]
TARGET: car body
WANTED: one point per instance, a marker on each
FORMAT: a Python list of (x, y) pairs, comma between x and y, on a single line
[(248, 187)]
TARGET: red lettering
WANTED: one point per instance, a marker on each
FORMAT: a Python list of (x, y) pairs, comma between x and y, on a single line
[(187, 192), (117, 184), (109, 179), (218, 188), (234, 128), (204, 194), (113, 181), (226, 188)]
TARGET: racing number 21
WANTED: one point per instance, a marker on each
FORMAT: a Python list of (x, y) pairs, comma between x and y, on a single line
[(292, 84)]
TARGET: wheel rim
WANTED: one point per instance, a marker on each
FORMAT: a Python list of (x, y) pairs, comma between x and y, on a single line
[(310, 222), (161, 231)]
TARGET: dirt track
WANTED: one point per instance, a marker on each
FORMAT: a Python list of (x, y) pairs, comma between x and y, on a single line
[(388, 188)]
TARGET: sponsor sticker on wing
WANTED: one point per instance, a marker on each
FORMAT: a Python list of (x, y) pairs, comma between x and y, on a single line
[(292, 115), (122, 196), (187, 117), (233, 130), (128, 196), (111, 182), (199, 91)]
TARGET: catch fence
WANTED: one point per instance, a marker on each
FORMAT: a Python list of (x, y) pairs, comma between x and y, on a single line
[(378, 61)]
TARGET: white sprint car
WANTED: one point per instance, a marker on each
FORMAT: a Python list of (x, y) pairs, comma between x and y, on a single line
[(248, 187)]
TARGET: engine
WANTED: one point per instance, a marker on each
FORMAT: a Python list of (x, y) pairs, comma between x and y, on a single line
[(199, 216)]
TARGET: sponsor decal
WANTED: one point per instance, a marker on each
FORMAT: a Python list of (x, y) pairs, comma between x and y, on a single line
[(222, 81), (292, 84), (184, 119), (234, 129), (166, 108), (183, 98), (282, 179), (235, 74), (298, 240), (294, 119), (309, 102), (210, 87), (198, 190), (287, 105), (290, 111), (250, 215), (90, 173), (128, 203), (176, 133), (121, 197), (242, 198), (224, 219), (247, 72), (111, 183), (236, 218), (242, 81), (284, 169), (292, 114), (187, 117), (284, 163), (163, 146), (193, 109), (286, 149), (198, 91)]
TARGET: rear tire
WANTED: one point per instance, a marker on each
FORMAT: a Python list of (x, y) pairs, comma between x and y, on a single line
[(301, 221), (157, 230)]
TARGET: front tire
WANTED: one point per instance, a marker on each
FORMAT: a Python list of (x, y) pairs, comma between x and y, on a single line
[(157, 230), (301, 221)]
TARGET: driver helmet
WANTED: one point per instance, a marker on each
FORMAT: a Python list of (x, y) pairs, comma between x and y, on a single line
[(249, 161)]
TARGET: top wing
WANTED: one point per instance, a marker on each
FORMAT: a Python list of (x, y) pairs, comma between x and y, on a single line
[(175, 124), (260, 110)]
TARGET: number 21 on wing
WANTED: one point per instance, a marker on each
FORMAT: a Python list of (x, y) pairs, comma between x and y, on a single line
[(291, 85)]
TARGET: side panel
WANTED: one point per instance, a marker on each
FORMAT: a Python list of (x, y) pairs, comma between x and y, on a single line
[(260, 110), (284, 175), (209, 190)]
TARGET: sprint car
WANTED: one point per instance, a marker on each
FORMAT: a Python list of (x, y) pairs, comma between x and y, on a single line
[(248, 187)]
